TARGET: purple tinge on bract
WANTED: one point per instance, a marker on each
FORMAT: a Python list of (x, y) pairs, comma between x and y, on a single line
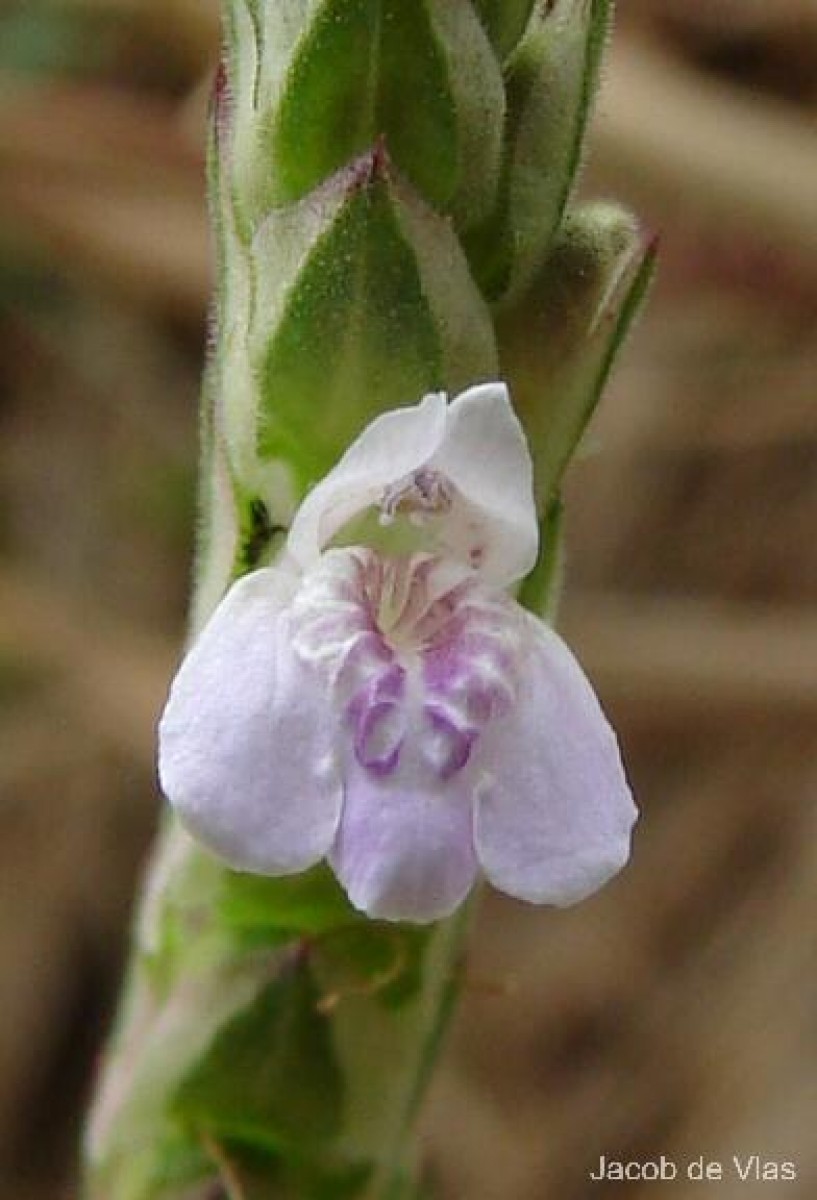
[(399, 713)]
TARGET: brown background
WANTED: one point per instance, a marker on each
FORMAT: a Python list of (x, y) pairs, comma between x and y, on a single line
[(675, 1013)]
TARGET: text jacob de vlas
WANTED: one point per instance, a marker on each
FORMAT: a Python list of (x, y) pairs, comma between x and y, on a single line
[(749, 1168)]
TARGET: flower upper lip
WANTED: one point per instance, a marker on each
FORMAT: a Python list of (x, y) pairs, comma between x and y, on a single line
[(471, 459)]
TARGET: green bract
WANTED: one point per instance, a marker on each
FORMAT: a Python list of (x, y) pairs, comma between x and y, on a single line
[(377, 307), (559, 344)]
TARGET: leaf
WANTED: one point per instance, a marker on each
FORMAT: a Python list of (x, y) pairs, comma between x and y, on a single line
[(270, 1076)]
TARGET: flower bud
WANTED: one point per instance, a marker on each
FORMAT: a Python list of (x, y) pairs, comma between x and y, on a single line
[(558, 346), (551, 78)]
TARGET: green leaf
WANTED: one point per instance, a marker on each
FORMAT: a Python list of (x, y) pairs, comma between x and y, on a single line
[(270, 1076), (559, 345)]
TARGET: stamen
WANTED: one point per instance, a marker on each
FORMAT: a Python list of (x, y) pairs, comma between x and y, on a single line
[(420, 495)]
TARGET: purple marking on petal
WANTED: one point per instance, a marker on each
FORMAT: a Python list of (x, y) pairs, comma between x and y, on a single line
[(418, 653), (448, 748), (474, 672), (387, 686), (379, 737), (391, 685)]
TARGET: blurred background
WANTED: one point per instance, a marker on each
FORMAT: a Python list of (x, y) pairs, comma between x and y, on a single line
[(674, 1013)]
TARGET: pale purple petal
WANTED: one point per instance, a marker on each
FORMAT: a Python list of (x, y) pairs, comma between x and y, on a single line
[(554, 813), (390, 448), (404, 851), (492, 525), (247, 752)]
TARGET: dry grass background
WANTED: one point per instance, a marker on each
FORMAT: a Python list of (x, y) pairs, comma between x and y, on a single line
[(675, 1012)]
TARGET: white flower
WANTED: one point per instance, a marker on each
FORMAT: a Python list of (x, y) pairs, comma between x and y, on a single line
[(396, 711)]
